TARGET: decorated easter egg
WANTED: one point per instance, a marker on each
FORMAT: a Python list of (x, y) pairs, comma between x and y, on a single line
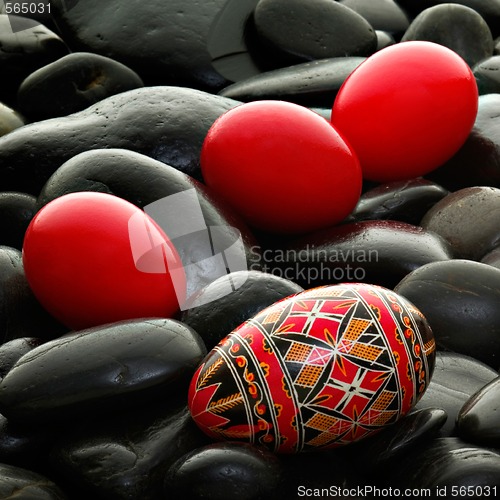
[(407, 109), (319, 369)]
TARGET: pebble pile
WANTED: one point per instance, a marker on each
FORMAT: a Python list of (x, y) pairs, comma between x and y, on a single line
[(249, 249)]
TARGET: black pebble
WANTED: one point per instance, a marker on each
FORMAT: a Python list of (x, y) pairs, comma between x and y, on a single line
[(101, 369), (405, 201), (460, 300), (457, 27), (327, 29), (221, 309), (16, 212), (73, 83), (225, 471), (455, 379), (313, 83), (379, 252)]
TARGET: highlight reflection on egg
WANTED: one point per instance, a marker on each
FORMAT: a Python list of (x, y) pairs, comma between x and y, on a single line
[(322, 368)]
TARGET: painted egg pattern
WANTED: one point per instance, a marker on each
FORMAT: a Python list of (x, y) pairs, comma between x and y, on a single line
[(320, 369)]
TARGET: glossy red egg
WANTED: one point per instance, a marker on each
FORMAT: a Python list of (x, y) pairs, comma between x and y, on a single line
[(281, 166), (407, 109), (94, 258), (320, 369)]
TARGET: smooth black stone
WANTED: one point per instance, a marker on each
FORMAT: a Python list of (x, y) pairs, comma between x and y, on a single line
[(384, 39), (376, 252), (327, 29), (30, 47), (21, 315), (73, 83), (126, 455), (492, 258), (9, 119), (457, 27), (13, 350), (16, 212), (479, 419), (25, 445), (16, 482), (306, 473), (168, 124), (447, 463), (487, 75), (460, 300), (142, 181), (405, 201), (488, 9), (455, 379), (468, 220), (477, 163), (220, 312), (101, 369), (229, 41), (166, 43), (399, 439), (385, 15), (225, 471), (313, 83)]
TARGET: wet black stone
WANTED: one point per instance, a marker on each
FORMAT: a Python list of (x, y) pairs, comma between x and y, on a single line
[(448, 463), (455, 379), (313, 83), (492, 258), (16, 482), (223, 471), (11, 351), (308, 473), (168, 124), (9, 119), (220, 312), (487, 73), (125, 455), (327, 29), (25, 445), (376, 252), (384, 39), (460, 300), (124, 363), (73, 83), (142, 181), (230, 41), (21, 315), (16, 212), (457, 27), (400, 438), (405, 201), (479, 419), (166, 43), (385, 15), (24, 51), (468, 220), (477, 163), (488, 9)]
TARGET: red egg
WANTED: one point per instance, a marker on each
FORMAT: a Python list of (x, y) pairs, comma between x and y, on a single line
[(94, 258), (281, 166), (407, 109)]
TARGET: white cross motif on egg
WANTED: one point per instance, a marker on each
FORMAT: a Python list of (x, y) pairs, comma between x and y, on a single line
[(320, 369)]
